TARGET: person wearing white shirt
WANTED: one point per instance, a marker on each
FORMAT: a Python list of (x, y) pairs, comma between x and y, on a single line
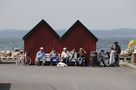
[(65, 56), (112, 57), (73, 56)]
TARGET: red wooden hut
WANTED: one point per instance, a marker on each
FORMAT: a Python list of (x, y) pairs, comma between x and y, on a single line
[(78, 36), (41, 35)]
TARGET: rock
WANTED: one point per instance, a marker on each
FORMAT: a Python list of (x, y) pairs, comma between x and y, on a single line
[(8, 53), (3, 53), (16, 50), (15, 54)]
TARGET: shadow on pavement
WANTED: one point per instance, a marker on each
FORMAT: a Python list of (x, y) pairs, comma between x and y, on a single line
[(5, 86)]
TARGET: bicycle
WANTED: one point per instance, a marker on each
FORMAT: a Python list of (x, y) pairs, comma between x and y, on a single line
[(23, 59)]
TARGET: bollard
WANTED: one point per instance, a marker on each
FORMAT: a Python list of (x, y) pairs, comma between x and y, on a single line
[(133, 59)]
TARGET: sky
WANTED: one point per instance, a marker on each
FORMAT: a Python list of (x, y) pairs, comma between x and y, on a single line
[(62, 14)]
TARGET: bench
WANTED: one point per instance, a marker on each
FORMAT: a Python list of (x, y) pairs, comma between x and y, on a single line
[(7, 58), (54, 60), (73, 61), (47, 59), (128, 59), (4, 59)]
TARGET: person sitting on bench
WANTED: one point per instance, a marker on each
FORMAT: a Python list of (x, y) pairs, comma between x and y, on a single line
[(54, 55), (81, 56), (65, 56), (73, 56), (40, 56)]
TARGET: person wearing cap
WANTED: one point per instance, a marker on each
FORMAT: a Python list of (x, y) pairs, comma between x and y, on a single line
[(65, 55), (40, 55), (117, 50)]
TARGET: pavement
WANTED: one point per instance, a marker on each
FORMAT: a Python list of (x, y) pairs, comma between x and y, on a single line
[(127, 64), (14, 77)]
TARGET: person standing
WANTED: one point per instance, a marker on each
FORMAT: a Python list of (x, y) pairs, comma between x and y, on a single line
[(117, 50), (112, 57)]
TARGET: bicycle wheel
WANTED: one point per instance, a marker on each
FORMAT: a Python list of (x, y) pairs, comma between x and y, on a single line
[(25, 60), (107, 62)]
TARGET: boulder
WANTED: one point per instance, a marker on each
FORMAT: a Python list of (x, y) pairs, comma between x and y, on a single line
[(3, 53), (15, 54), (8, 53)]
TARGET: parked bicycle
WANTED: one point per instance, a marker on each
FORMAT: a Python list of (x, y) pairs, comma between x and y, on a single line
[(23, 59)]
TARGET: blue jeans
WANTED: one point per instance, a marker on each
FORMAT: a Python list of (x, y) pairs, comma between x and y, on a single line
[(80, 60), (51, 60), (65, 60), (41, 58)]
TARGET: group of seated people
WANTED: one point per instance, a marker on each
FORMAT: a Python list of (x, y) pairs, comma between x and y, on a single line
[(66, 57)]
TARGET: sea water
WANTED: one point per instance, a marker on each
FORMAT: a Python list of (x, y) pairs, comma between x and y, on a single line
[(103, 42)]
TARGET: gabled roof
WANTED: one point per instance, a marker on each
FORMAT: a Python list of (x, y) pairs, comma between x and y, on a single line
[(43, 22), (77, 23), (38, 25)]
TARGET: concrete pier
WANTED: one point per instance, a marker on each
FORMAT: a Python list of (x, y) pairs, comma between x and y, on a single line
[(14, 77)]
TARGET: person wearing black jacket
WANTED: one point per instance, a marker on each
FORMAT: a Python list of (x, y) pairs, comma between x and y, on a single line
[(117, 50)]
